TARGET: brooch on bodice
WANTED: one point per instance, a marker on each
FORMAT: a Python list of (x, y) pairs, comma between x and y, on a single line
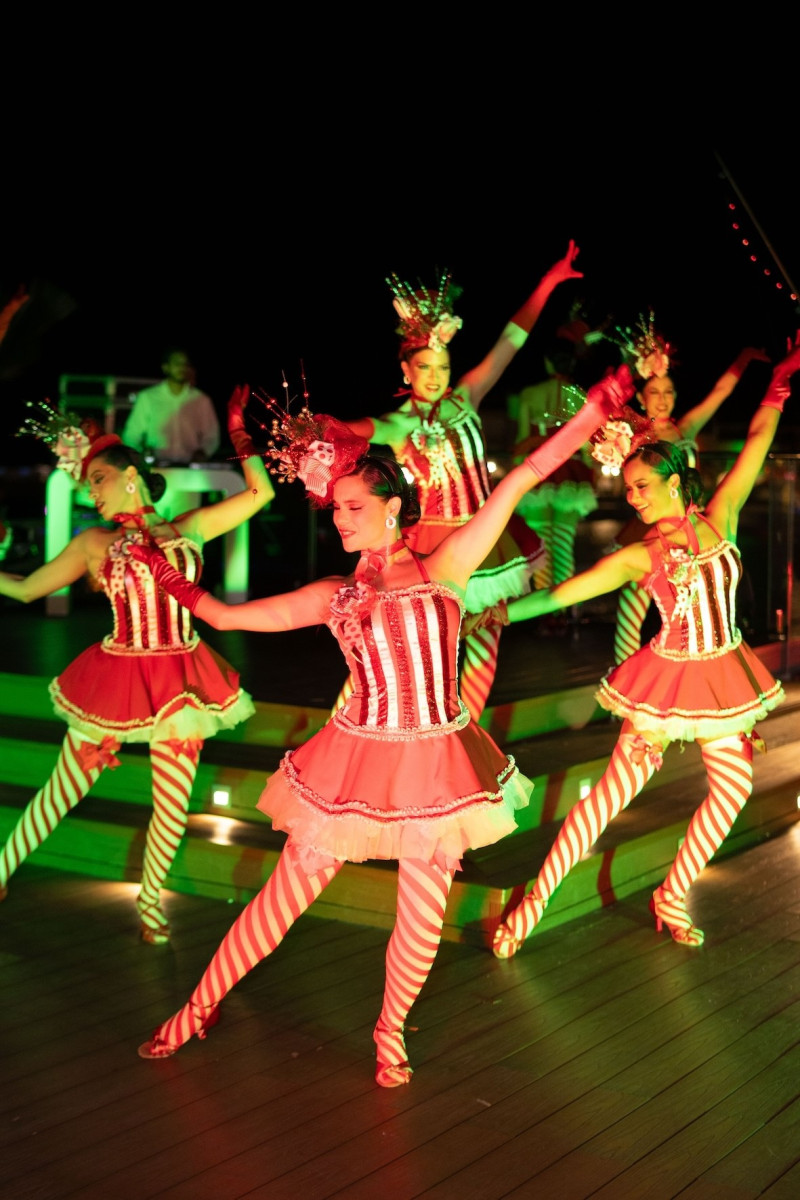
[(121, 564), (684, 575), (348, 606), (431, 442)]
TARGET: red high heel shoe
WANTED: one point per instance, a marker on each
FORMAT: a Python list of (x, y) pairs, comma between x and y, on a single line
[(159, 1047), (670, 910), (391, 1044), (525, 917), (155, 929)]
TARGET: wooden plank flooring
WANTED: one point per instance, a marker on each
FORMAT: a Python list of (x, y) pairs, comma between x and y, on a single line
[(603, 1061)]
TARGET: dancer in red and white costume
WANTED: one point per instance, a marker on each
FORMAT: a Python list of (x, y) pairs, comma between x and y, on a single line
[(656, 393), (401, 771), (436, 433), (152, 679), (696, 680)]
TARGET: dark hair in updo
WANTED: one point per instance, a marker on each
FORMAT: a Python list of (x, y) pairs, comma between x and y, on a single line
[(411, 346), (668, 459), (384, 477), (121, 456)]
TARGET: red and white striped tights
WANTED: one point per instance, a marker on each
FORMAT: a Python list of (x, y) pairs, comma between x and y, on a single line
[(631, 765), (73, 775), (479, 651), (633, 605), (729, 766), (422, 890), (173, 773), (80, 763)]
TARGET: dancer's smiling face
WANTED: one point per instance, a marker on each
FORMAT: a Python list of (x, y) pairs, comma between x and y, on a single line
[(429, 373), (648, 492)]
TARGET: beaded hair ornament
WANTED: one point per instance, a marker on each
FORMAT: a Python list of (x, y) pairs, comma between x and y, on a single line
[(74, 440), (426, 317), (315, 448)]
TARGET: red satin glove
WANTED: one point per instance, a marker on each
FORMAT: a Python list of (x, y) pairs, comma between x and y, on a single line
[(776, 395), (237, 430), (177, 585), (780, 389), (602, 400)]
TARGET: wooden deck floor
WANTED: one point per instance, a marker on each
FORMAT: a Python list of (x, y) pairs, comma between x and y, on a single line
[(603, 1061)]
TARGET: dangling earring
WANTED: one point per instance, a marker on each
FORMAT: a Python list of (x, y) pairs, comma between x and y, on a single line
[(390, 521), (673, 493), (130, 487), (406, 379)]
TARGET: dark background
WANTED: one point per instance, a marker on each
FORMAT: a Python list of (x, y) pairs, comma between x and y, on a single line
[(256, 276), (279, 260)]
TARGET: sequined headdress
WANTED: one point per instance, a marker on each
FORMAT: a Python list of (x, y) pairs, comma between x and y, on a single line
[(74, 440), (315, 448), (645, 350), (426, 317)]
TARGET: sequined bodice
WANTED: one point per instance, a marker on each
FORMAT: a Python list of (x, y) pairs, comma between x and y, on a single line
[(696, 596), (146, 619), (402, 649), (445, 452)]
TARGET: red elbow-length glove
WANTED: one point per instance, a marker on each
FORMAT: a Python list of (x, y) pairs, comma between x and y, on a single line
[(237, 431), (602, 399), (177, 585)]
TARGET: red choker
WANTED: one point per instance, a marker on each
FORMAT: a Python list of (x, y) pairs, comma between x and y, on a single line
[(137, 517), (372, 562)]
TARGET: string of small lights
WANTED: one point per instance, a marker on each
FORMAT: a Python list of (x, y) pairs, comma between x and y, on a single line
[(753, 240)]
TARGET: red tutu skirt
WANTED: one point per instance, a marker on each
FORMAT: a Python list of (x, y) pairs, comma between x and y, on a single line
[(691, 697), (352, 794), (148, 697)]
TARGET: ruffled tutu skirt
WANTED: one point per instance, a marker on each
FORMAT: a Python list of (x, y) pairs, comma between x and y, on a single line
[(147, 697), (506, 571), (354, 795), (557, 502), (691, 697)]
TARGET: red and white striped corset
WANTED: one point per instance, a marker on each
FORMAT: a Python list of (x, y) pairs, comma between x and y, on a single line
[(146, 619), (402, 648), (696, 596)]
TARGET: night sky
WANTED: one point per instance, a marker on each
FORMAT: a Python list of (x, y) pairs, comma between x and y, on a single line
[(254, 278)]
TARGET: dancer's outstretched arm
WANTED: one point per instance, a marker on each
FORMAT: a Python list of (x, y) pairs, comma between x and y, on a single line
[(693, 421), (476, 383)]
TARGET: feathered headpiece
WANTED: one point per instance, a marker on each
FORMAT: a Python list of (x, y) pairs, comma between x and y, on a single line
[(426, 318), (74, 440), (627, 432), (315, 448), (647, 353)]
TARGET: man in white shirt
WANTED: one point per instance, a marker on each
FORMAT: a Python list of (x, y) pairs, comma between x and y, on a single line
[(173, 422)]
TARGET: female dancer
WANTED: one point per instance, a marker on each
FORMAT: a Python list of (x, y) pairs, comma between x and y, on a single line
[(436, 434), (656, 395), (400, 771), (696, 681), (167, 687)]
